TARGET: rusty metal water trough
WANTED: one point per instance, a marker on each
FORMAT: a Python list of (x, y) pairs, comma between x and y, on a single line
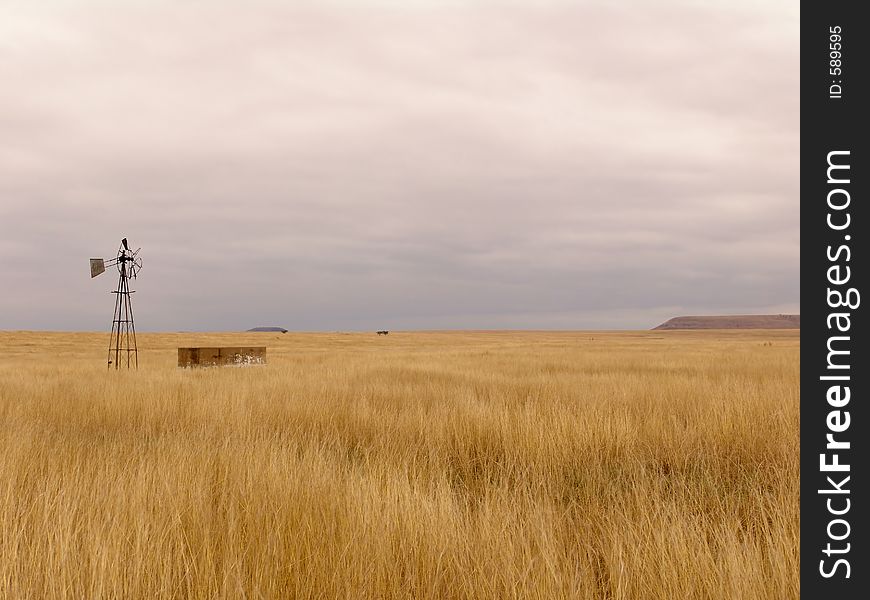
[(235, 356)]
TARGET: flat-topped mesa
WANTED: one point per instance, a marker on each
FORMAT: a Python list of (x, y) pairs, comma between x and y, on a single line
[(733, 322)]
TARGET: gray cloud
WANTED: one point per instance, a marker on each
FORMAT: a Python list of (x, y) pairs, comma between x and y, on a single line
[(336, 167)]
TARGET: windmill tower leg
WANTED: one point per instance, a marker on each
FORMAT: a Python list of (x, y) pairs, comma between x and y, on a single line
[(115, 337), (125, 324), (132, 347)]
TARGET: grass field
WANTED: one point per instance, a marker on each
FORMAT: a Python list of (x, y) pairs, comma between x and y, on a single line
[(643, 465)]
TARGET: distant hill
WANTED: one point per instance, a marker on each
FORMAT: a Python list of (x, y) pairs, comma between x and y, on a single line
[(271, 329), (733, 322)]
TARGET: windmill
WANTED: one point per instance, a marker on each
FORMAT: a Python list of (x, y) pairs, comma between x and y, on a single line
[(122, 344)]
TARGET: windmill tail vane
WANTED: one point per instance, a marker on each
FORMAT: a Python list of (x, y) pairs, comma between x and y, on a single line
[(123, 351)]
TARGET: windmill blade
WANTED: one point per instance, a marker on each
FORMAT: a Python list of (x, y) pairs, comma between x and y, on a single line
[(98, 266), (124, 242)]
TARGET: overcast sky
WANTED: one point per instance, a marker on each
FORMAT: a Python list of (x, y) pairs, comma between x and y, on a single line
[(399, 165)]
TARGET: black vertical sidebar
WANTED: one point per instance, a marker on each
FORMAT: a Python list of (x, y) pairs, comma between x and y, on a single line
[(834, 333)]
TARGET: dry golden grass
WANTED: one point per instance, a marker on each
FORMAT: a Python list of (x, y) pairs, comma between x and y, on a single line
[(430, 465)]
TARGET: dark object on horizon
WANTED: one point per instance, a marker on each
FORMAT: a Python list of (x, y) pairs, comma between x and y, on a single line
[(122, 342), (269, 329), (733, 322), (383, 332)]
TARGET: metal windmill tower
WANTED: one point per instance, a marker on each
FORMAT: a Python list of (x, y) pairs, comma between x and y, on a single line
[(123, 351)]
